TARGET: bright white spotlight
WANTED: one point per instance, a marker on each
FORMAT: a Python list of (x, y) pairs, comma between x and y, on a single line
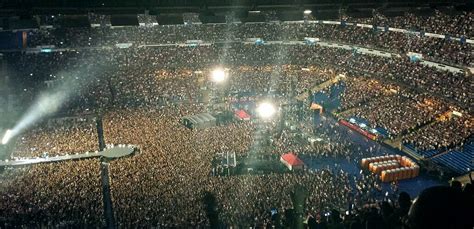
[(218, 75), (266, 110), (6, 137), (307, 12)]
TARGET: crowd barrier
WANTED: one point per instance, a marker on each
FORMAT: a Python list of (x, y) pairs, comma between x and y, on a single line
[(358, 129), (391, 167)]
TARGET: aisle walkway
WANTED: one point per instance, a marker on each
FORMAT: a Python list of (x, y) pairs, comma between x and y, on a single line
[(104, 175), (106, 197)]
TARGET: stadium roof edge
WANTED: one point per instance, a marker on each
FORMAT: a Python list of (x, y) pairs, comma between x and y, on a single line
[(12, 10)]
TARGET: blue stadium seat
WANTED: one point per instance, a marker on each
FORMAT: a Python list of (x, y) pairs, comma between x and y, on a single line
[(458, 161)]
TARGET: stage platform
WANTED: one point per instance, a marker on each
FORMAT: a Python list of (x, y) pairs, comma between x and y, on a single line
[(111, 152), (118, 151)]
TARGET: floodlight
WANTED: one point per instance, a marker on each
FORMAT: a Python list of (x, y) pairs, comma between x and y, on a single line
[(218, 75), (307, 12), (266, 110), (6, 137)]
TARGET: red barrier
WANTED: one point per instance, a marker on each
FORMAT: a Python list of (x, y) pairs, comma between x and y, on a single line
[(358, 129)]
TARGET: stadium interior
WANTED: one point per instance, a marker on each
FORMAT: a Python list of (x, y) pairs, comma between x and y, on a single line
[(236, 114)]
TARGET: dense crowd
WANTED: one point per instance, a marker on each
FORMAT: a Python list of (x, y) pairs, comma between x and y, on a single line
[(438, 22), (444, 50), (360, 90), (175, 161), (427, 122), (53, 139), (119, 82), (142, 94), (52, 195), (144, 61), (406, 111), (455, 132)]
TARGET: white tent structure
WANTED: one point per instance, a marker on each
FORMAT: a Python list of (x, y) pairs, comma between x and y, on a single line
[(199, 121)]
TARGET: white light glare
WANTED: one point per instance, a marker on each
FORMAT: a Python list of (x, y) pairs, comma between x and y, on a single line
[(266, 110), (6, 137), (307, 11), (218, 75)]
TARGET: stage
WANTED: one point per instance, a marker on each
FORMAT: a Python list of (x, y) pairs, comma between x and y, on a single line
[(110, 152)]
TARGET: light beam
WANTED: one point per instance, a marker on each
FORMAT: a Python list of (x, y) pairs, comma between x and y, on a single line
[(49, 102), (6, 137)]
